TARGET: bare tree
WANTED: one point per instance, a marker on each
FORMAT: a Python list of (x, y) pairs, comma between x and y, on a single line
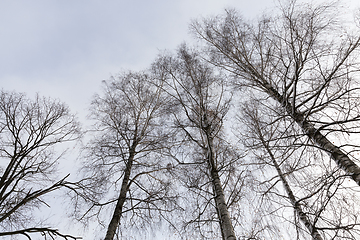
[(123, 172), (259, 133), (206, 162), (306, 61), (29, 131), (314, 189)]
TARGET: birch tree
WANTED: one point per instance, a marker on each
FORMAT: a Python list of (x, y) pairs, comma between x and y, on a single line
[(297, 176), (260, 136), (205, 161), (30, 130), (123, 173), (306, 60)]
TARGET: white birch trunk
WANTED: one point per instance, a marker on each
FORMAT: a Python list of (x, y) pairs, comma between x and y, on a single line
[(303, 217), (340, 157), (227, 229)]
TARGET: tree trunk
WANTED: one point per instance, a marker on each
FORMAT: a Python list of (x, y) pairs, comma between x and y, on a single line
[(303, 217), (341, 158), (226, 227), (115, 220)]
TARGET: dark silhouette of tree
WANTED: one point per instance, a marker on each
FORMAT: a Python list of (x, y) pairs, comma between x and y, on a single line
[(29, 132)]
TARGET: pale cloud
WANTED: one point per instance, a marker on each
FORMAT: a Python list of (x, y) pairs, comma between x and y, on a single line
[(65, 48)]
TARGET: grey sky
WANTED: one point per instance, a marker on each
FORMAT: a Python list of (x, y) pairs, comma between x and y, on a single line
[(65, 48)]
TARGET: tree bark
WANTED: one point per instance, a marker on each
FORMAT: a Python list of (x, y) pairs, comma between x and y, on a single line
[(115, 220), (340, 157), (226, 227), (301, 214)]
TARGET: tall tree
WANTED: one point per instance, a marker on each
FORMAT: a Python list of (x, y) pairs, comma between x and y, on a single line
[(321, 199), (29, 132), (306, 61), (261, 135), (123, 173), (200, 104)]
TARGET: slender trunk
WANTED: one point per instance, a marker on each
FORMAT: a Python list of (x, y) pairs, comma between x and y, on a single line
[(226, 227), (303, 217), (340, 157), (115, 220)]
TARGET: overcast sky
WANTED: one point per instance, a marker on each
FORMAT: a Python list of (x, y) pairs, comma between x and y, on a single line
[(65, 48)]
